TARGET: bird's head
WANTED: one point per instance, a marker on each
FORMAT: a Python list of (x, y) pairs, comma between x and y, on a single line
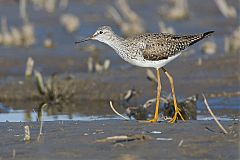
[(103, 34)]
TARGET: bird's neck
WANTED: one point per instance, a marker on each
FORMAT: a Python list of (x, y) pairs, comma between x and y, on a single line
[(115, 42)]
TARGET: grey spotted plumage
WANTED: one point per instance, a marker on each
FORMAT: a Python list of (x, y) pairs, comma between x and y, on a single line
[(149, 49), (161, 45)]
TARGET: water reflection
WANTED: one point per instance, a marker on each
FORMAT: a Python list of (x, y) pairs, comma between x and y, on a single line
[(4, 108), (27, 116), (96, 110), (84, 110), (19, 116)]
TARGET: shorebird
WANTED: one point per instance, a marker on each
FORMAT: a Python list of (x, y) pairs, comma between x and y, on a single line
[(149, 50)]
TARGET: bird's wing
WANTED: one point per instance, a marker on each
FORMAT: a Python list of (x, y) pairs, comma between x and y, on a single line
[(162, 46), (157, 49)]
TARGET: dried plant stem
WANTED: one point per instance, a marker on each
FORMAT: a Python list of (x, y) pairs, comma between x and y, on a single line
[(29, 67), (23, 10), (27, 136), (214, 117), (41, 121), (111, 105)]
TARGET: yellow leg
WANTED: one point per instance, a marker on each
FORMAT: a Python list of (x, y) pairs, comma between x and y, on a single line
[(176, 109), (158, 98)]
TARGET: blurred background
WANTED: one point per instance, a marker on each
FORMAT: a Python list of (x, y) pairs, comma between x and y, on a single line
[(39, 62)]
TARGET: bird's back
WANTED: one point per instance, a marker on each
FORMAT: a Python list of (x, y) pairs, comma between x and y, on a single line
[(158, 46)]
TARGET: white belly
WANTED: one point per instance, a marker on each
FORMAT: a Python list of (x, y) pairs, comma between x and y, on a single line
[(155, 64)]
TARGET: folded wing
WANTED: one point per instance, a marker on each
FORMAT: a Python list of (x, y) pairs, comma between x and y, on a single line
[(161, 46)]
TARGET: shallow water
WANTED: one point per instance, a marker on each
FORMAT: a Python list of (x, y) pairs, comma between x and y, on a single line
[(225, 110), (221, 103), (22, 116)]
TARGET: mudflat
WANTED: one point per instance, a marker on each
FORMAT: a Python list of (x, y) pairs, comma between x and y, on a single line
[(88, 140)]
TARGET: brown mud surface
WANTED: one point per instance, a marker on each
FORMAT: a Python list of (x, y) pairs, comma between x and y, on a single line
[(82, 140), (218, 78)]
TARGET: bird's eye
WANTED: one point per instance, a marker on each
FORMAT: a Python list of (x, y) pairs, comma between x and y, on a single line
[(101, 32)]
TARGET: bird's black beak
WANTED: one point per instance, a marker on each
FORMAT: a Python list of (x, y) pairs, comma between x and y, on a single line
[(86, 39)]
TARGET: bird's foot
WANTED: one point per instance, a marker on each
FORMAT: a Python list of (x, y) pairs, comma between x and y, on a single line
[(174, 118)]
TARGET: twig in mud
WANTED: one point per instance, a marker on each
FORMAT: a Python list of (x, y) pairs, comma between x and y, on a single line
[(214, 117), (127, 96), (164, 139), (41, 120), (29, 67), (27, 136), (124, 138), (180, 143), (39, 82), (114, 110), (232, 42), (13, 154), (151, 76), (23, 10)]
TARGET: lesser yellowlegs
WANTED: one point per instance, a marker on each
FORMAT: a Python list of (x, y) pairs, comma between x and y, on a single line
[(149, 50)]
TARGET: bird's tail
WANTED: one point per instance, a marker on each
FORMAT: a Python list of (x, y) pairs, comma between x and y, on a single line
[(207, 34), (198, 37)]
